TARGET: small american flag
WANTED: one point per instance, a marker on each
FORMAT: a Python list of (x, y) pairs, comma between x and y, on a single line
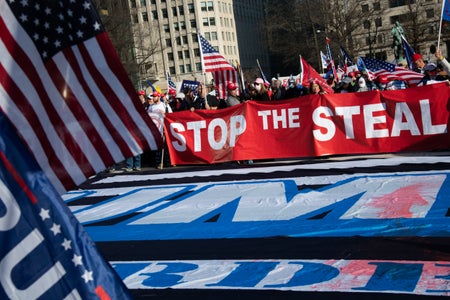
[(170, 84), (391, 71), (213, 61), (67, 93)]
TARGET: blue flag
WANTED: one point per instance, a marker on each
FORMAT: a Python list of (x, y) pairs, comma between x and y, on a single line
[(409, 52), (45, 252), (446, 10)]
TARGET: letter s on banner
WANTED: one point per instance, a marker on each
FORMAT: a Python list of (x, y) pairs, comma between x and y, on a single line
[(180, 141)]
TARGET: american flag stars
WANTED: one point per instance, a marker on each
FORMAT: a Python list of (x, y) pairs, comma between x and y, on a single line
[(56, 25), (76, 259)]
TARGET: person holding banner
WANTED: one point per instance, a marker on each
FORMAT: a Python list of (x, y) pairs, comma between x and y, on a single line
[(232, 98), (262, 94)]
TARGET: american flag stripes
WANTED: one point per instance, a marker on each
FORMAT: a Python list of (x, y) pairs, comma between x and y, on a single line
[(222, 71), (65, 90), (213, 61), (222, 78), (391, 71)]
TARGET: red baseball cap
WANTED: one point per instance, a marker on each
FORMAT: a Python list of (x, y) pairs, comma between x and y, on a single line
[(416, 56), (141, 92), (231, 86)]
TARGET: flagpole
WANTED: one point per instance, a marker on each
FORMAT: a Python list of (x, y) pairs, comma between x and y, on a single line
[(440, 25)]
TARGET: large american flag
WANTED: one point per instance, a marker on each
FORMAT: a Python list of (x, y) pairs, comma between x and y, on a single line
[(392, 72), (66, 92)]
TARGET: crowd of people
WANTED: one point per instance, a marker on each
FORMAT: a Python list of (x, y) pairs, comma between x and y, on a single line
[(205, 97)]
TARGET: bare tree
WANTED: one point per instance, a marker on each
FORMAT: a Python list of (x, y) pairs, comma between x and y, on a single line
[(133, 41)]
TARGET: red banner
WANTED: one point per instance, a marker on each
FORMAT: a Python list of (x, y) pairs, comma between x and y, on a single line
[(414, 119)]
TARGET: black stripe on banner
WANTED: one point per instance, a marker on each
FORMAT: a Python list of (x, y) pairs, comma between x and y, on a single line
[(367, 248)]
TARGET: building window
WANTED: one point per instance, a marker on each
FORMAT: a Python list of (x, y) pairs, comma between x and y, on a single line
[(193, 24), (180, 54), (174, 11), (172, 70), (133, 3), (430, 13), (170, 56), (143, 3), (377, 6), (175, 26), (135, 19), (166, 28), (182, 69), (214, 36), (208, 36), (188, 68), (185, 39), (187, 54), (203, 6), (153, 1), (198, 66), (210, 6), (205, 22), (183, 25), (145, 16), (164, 13), (365, 8), (181, 10), (212, 21), (168, 43), (178, 40), (397, 3), (155, 15), (378, 22), (191, 8), (366, 24), (197, 52)]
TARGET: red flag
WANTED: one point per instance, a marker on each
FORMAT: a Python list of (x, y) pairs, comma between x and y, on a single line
[(66, 92), (309, 75)]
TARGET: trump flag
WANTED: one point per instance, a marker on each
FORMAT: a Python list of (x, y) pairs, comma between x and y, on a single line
[(45, 252)]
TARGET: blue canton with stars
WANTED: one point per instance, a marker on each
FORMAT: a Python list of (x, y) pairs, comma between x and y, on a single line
[(376, 64), (56, 25)]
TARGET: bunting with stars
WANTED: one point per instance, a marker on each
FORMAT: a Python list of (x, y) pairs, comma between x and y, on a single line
[(45, 252)]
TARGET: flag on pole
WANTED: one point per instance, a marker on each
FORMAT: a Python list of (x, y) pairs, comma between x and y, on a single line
[(330, 57), (324, 60), (45, 252), (409, 52), (446, 10), (261, 73), (171, 87), (308, 75), (391, 71), (348, 60), (212, 60), (67, 93), (222, 71)]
